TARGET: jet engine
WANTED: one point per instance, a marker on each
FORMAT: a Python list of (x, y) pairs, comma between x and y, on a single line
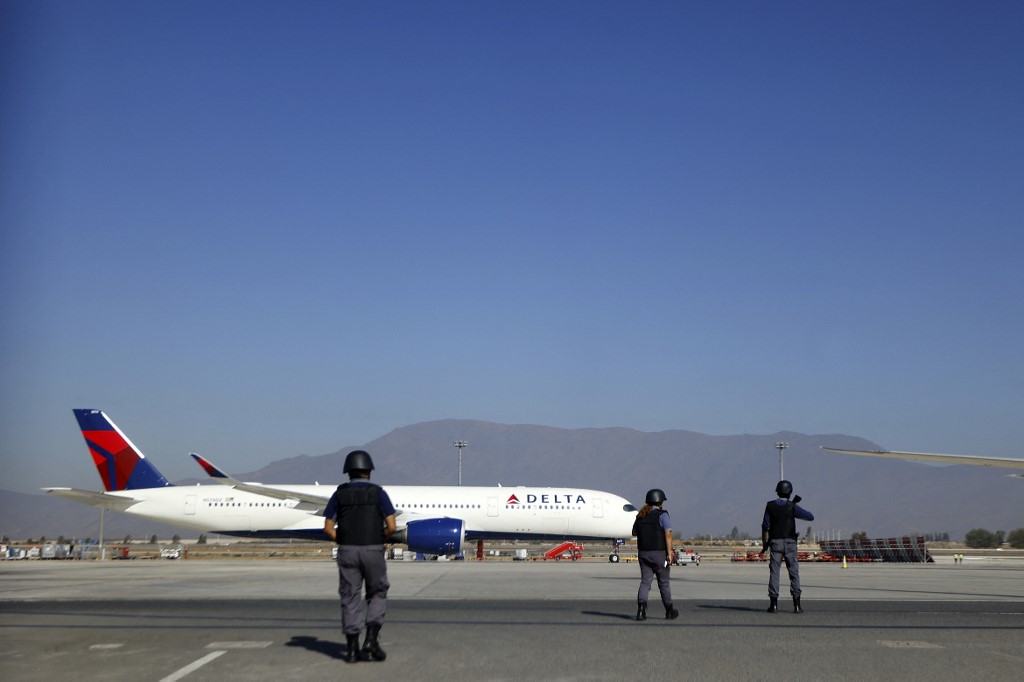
[(432, 536)]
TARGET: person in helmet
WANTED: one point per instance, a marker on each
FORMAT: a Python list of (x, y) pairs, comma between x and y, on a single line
[(360, 518), (779, 536), (653, 531)]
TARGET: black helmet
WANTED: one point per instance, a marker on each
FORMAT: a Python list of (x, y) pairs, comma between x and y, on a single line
[(655, 496), (358, 460), (784, 489)]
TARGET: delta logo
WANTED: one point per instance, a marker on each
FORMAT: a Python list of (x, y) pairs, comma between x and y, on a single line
[(548, 498)]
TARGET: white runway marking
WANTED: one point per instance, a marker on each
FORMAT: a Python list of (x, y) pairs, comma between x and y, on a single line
[(105, 646), (238, 645), (902, 644), (195, 665)]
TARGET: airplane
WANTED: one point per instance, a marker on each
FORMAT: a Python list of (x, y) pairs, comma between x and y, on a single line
[(431, 519), (996, 462)]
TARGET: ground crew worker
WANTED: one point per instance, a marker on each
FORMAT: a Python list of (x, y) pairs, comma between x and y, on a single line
[(653, 531), (359, 518), (778, 533)]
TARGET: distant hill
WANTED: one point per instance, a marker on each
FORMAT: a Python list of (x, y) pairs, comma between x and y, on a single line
[(713, 483)]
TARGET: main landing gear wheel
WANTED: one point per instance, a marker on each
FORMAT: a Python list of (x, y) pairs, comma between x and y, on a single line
[(613, 558)]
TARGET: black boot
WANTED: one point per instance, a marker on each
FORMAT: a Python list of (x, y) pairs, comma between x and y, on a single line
[(774, 605), (371, 647), (351, 648), (671, 613), (641, 610), (796, 605)]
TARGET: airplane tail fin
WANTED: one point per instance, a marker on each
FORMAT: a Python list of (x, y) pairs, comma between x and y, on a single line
[(121, 465)]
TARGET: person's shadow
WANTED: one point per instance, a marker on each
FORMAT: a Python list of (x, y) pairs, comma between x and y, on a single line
[(321, 646), (607, 614)]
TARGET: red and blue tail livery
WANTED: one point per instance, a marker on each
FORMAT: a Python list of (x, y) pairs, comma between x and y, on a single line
[(121, 465)]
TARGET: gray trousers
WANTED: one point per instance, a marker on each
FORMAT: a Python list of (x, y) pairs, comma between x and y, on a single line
[(358, 564), (783, 550), (652, 564)]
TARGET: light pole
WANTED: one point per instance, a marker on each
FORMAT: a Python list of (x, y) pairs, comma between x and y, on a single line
[(460, 444), (781, 446)]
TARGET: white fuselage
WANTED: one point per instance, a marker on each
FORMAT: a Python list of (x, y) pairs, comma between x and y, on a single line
[(498, 512)]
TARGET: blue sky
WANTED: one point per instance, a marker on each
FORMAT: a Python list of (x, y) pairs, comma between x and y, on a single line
[(257, 230)]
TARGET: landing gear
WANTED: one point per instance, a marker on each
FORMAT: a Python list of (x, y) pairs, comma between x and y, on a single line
[(613, 558)]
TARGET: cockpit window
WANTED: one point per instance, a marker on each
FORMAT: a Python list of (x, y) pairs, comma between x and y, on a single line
[(628, 508)]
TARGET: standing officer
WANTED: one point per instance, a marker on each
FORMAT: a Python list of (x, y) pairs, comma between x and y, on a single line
[(365, 518), (778, 532), (653, 531)]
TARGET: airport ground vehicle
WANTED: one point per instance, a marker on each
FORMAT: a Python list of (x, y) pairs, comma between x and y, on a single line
[(682, 558), (567, 550)]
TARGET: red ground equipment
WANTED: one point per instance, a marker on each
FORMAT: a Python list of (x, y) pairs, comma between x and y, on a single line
[(566, 550)]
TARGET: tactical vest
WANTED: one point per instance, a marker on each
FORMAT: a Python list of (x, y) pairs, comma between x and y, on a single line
[(649, 533), (782, 522), (360, 518)]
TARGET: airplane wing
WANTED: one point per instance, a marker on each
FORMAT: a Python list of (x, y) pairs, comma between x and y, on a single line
[(997, 462), (306, 501), (101, 500), (278, 493)]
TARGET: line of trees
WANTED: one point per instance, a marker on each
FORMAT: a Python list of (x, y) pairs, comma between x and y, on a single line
[(981, 538)]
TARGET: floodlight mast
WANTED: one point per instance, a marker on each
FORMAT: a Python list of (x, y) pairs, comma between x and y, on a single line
[(460, 444), (781, 446)]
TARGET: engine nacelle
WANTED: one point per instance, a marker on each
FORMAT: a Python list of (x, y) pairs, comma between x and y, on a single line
[(433, 536)]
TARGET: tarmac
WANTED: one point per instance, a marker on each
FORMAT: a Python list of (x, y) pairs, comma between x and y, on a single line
[(503, 620)]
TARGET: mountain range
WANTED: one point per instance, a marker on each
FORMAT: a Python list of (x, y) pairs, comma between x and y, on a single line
[(713, 483)]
